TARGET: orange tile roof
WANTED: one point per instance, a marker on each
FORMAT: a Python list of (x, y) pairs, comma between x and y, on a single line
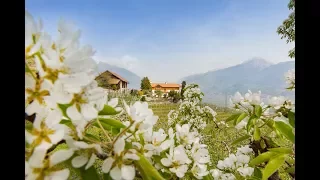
[(166, 85)]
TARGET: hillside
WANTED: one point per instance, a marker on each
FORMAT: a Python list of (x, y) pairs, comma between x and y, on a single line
[(255, 74), (134, 80)]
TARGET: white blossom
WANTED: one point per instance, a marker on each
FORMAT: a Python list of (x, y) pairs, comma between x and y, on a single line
[(120, 171), (177, 160), (40, 168), (245, 171)]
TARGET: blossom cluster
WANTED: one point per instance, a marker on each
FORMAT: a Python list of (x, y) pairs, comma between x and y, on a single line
[(234, 164), (192, 93), (290, 79), (175, 152), (60, 86), (276, 107), (190, 110)]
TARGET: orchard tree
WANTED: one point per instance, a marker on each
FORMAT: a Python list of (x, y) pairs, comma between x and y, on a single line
[(145, 84), (287, 29), (183, 85), (159, 93)]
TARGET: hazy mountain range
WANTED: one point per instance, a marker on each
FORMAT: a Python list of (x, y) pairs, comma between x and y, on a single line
[(134, 80), (255, 74)]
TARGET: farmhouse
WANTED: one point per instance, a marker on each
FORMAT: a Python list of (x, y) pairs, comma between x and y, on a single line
[(111, 80), (165, 87)]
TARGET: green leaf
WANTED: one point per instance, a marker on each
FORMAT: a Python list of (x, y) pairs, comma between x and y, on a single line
[(253, 178), (262, 158), (26, 68), (91, 136), (146, 168), (107, 127), (64, 108), (232, 117), (66, 122), (281, 150), (270, 142), (286, 130), (258, 110), (157, 159), (250, 123), (107, 176), (28, 126), (208, 177), (270, 124), (240, 118), (256, 134), (108, 110), (112, 122), (257, 173), (240, 139), (290, 170), (141, 139), (272, 166), (89, 174), (291, 116)]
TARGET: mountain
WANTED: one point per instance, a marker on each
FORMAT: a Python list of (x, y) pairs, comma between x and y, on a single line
[(255, 74), (134, 80)]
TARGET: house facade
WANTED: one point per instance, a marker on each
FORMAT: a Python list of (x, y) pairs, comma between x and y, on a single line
[(112, 80), (165, 87)]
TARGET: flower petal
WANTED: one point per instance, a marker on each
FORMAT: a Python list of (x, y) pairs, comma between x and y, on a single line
[(119, 146), (79, 161), (29, 137), (166, 162), (131, 156), (91, 161), (60, 156), (73, 113), (60, 175), (128, 172), (113, 102), (57, 136), (37, 157), (149, 147), (88, 112), (166, 144), (81, 144), (54, 117), (115, 173), (107, 164)]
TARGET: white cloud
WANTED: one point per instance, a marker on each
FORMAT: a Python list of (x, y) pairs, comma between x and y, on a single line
[(126, 61)]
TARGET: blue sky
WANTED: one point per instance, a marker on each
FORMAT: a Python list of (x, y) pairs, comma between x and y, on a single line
[(169, 39)]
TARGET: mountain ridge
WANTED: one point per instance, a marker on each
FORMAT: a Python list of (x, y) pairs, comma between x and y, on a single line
[(254, 74)]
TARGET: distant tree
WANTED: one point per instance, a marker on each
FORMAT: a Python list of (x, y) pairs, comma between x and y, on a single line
[(183, 84), (114, 87), (134, 92), (165, 96), (171, 94), (159, 93), (145, 84), (103, 80), (287, 29), (176, 97), (143, 98)]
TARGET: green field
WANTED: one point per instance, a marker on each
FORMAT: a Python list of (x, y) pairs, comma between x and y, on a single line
[(218, 140)]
